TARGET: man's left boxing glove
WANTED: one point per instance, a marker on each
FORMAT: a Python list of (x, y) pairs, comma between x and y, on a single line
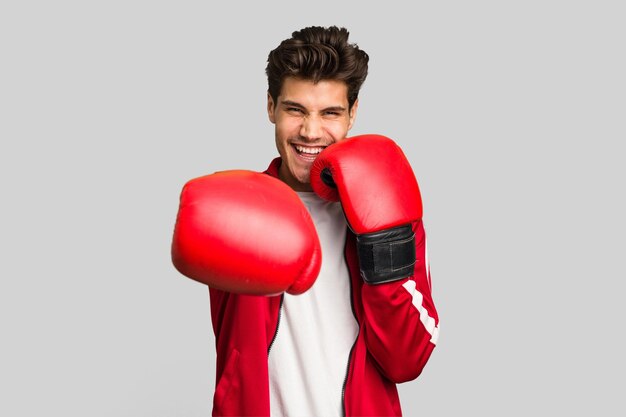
[(247, 233), (381, 200)]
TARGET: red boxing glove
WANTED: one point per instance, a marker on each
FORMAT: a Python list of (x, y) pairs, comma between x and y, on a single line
[(245, 232), (372, 178)]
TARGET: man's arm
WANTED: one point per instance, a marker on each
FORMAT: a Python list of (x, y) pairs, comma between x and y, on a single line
[(381, 200), (401, 323)]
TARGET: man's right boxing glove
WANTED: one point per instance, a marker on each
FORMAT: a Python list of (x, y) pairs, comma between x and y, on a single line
[(245, 232)]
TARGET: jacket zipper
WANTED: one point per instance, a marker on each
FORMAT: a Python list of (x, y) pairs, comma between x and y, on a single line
[(345, 380), (280, 310)]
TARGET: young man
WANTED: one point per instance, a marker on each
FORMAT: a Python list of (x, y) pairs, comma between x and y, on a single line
[(356, 322)]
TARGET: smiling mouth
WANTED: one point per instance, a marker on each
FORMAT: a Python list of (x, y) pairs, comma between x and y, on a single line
[(308, 152)]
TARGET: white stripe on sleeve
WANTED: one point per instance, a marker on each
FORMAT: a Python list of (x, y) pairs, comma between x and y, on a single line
[(425, 318)]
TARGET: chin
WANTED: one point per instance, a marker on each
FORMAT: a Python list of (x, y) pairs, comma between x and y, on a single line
[(304, 178)]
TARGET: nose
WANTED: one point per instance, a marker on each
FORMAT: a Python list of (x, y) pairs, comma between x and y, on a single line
[(311, 128)]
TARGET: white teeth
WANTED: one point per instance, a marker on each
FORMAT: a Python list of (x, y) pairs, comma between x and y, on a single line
[(310, 151)]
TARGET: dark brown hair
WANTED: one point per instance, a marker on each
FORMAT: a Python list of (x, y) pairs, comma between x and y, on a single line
[(317, 53)]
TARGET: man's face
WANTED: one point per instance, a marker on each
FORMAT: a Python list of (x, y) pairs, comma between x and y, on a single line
[(308, 117)]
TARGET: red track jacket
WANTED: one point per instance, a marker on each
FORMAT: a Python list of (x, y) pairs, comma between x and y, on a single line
[(398, 329)]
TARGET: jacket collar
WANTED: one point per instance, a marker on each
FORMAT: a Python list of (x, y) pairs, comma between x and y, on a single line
[(272, 170)]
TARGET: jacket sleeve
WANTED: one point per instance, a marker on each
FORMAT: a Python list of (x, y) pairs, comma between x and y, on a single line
[(401, 324)]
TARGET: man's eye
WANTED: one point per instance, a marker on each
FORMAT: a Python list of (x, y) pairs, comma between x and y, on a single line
[(332, 113), (294, 110)]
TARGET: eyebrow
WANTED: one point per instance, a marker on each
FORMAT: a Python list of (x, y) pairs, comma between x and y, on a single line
[(295, 104)]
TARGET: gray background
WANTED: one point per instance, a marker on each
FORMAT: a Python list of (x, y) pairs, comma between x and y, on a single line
[(512, 114)]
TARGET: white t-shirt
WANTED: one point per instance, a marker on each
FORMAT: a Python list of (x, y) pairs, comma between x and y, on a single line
[(308, 361)]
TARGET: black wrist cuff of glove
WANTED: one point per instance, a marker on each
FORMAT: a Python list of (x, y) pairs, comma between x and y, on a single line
[(388, 255)]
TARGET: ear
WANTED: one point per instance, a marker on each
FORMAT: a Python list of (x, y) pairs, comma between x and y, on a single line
[(352, 114), (270, 108)]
